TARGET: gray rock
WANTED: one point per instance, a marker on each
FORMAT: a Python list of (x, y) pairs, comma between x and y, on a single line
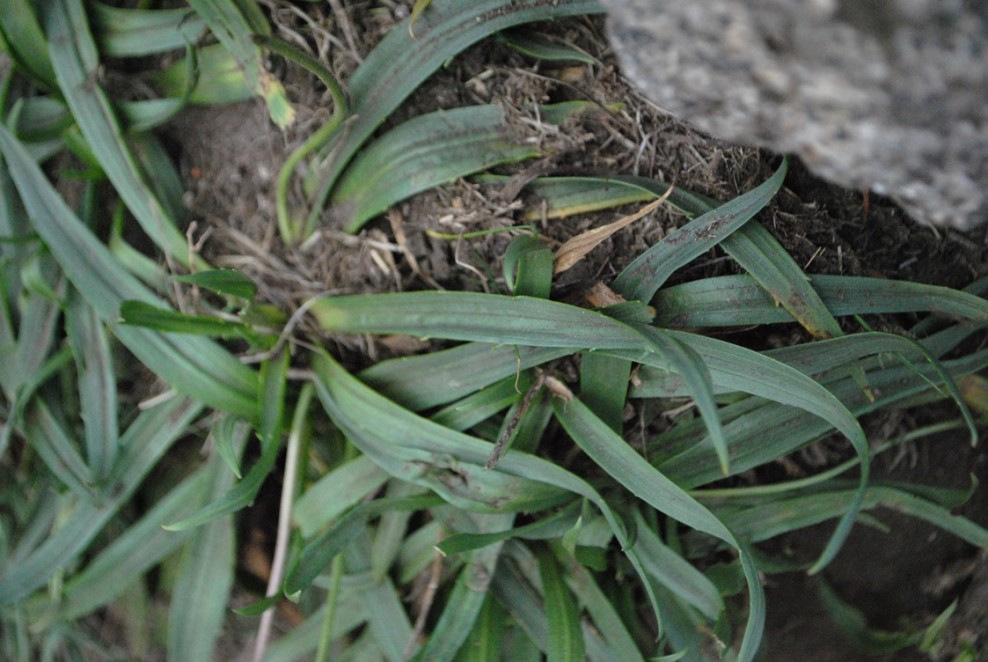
[(890, 95)]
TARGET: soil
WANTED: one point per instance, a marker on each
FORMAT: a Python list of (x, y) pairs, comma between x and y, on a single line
[(902, 577)]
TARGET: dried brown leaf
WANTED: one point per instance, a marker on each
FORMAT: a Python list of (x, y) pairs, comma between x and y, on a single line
[(576, 248)]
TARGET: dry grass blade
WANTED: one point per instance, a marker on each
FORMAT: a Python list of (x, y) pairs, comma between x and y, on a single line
[(576, 248)]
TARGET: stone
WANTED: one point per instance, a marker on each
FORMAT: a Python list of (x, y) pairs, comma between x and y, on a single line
[(889, 95)]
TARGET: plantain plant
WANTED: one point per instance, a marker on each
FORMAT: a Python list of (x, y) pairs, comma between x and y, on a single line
[(494, 479)]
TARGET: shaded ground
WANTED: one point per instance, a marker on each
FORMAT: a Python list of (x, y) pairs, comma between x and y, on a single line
[(231, 156)]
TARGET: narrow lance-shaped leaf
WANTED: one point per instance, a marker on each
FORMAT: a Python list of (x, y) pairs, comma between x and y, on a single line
[(474, 316), (352, 405), (336, 492), (25, 42), (271, 396), (762, 256), (696, 376), (740, 301), (423, 153), (630, 469), (540, 47), (676, 573), (646, 274), (145, 441), (521, 320), (57, 449), (76, 61), (604, 382), (140, 314), (565, 641), (469, 593), (193, 365), (222, 281), (125, 32), (205, 576), (485, 640), (426, 380), (606, 619), (546, 528), (97, 385), (401, 62), (769, 431), (141, 547), (320, 550), (781, 515)]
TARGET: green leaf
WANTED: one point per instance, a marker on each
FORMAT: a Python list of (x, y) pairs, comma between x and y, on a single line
[(125, 32), (541, 47), (215, 78), (485, 640), (235, 31), (337, 492), (40, 118), (854, 624), (761, 255), (193, 365), (604, 386), (606, 619), (387, 619), (272, 403), (568, 196), (481, 405), (468, 596), (57, 450), (545, 528), (222, 281), (693, 369), (319, 551), (528, 267), (76, 61), (781, 515), (676, 574), (142, 546), (258, 607), (646, 274), (423, 153), (25, 42), (418, 450), (565, 640), (628, 468), (145, 441), (424, 381), (517, 593), (203, 583), (740, 301), (145, 315), (935, 629), (402, 62), (474, 316), (228, 432)]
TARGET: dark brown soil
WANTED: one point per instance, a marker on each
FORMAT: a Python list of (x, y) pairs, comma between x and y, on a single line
[(900, 578)]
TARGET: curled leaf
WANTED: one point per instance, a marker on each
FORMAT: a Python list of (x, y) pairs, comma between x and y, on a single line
[(576, 248)]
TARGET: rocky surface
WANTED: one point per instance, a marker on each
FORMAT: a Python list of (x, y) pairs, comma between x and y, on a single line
[(891, 96)]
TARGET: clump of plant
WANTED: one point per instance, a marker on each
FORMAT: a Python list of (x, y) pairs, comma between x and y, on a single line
[(493, 481)]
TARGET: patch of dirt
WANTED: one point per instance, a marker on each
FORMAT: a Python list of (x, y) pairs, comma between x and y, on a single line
[(231, 157)]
